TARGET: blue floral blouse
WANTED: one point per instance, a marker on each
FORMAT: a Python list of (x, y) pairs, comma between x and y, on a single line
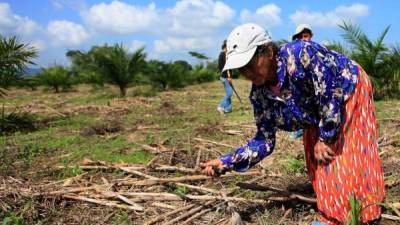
[(314, 83)]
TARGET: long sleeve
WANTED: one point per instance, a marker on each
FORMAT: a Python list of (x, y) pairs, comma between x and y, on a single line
[(221, 61), (324, 71), (259, 147)]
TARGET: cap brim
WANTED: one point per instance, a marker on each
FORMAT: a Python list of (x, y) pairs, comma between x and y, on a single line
[(239, 60)]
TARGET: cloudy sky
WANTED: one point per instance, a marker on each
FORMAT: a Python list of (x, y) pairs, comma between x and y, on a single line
[(169, 29)]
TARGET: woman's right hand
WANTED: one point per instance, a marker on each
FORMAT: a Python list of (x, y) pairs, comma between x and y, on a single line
[(323, 152), (208, 167)]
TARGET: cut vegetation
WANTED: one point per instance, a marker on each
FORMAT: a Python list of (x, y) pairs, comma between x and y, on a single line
[(135, 160)]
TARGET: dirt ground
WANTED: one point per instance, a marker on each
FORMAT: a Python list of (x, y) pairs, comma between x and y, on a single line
[(98, 159)]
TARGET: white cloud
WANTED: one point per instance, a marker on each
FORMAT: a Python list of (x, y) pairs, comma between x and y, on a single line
[(119, 17), (193, 25), (188, 24), (57, 4), (266, 16), (38, 44), (66, 33), (186, 17), (75, 5), (136, 44), (11, 23), (355, 10), (160, 46), (196, 17), (173, 44), (331, 18)]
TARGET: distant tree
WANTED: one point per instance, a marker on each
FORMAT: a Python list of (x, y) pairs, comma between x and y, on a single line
[(84, 68), (213, 67), (378, 60), (14, 56), (368, 53), (338, 47), (56, 77), (31, 82), (198, 55), (167, 75), (282, 42), (391, 71), (118, 66), (179, 75), (202, 74), (184, 64), (205, 71)]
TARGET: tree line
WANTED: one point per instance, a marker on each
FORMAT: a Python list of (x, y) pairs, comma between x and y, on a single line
[(114, 64)]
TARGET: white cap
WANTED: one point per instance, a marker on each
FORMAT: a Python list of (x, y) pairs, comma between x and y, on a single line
[(242, 43), (300, 28)]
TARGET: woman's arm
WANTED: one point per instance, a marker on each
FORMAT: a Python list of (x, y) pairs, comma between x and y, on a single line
[(324, 71), (260, 146)]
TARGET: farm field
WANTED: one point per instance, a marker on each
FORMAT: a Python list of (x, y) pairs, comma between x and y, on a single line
[(96, 158)]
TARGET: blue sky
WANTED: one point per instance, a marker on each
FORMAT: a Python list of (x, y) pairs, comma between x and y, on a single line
[(169, 29)]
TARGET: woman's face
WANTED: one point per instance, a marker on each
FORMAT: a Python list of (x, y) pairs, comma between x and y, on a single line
[(306, 36), (259, 70)]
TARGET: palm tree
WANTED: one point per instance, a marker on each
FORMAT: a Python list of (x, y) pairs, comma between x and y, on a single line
[(282, 42), (198, 55), (206, 73), (338, 47), (203, 59), (164, 75), (84, 68), (56, 77), (13, 59), (391, 71), (119, 66), (381, 62), (368, 53)]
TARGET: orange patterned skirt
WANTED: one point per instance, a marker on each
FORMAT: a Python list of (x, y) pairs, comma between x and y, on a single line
[(356, 169)]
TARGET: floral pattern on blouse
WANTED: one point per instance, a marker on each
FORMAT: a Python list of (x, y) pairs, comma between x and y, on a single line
[(314, 83)]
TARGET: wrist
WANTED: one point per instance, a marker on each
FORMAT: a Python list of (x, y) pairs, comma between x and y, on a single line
[(226, 160)]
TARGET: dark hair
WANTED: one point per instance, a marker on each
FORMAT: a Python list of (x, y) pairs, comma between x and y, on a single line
[(263, 49), (305, 30), (223, 45)]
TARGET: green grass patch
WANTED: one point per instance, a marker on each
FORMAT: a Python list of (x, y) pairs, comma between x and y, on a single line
[(122, 218), (70, 172), (181, 190), (29, 152), (355, 210), (387, 109), (94, 98), (10, 218), (63, 142), (116, 150), (144, 91), (17, 100), (295, 165), (75, 122)]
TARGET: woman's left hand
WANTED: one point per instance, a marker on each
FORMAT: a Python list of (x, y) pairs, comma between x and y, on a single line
[(208, 167), (323, 152)]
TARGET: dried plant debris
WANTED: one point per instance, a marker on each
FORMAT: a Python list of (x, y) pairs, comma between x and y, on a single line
[(102, 128)]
